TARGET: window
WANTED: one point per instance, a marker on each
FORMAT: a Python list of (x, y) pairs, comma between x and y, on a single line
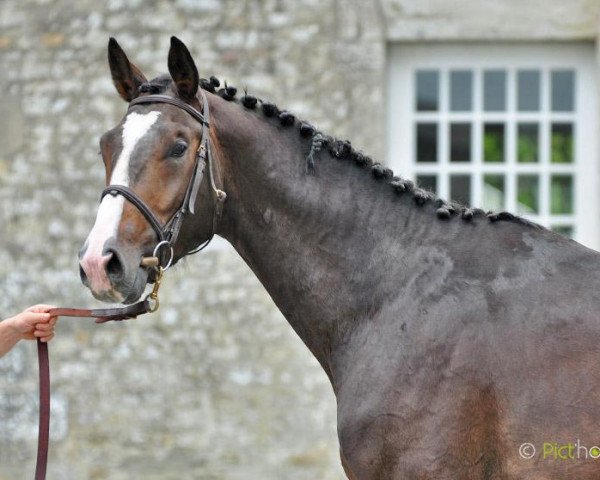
[(501, 127)]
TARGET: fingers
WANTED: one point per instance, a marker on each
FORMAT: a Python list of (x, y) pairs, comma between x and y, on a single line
[(32, 318), (40, 308), (44, 331), (34, 322), (46, 338), (44, 327)]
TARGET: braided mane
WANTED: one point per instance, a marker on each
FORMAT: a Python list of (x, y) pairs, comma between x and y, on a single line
[(342, 150)]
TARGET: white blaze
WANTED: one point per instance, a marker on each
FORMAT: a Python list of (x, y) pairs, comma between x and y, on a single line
[(136, 126)]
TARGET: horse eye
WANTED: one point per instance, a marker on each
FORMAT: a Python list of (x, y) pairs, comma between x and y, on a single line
[(178, 149)]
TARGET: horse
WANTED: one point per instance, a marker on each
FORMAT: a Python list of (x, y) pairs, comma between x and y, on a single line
[(459, 343)]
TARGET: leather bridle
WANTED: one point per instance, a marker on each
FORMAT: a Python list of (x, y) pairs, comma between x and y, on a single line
[(167, 236)]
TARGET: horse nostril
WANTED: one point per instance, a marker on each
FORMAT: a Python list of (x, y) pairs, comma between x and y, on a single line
[(82, 275), (114, 267)]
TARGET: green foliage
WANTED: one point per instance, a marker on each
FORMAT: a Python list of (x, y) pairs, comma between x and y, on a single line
[(527, 148), (527, 193), (561, 145), (561, 194), (493, 146)]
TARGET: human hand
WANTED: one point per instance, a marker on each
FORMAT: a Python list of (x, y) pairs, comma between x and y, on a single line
[(34, 322)]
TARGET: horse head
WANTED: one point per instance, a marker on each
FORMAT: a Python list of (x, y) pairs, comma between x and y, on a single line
[(153, 160)]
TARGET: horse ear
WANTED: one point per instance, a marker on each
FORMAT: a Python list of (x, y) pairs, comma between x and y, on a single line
[(125, 75), (183, 69)]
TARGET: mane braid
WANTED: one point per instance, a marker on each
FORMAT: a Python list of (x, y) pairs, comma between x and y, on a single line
[(287, 119), (342, 149), (318, 140)]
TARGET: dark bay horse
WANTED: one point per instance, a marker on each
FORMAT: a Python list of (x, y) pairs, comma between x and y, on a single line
[(460, 344)]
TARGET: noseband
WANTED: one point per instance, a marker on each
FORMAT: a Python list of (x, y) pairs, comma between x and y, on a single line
[(167, 234)]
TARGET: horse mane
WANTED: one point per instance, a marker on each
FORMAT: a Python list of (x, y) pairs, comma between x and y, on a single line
[(342, 150)]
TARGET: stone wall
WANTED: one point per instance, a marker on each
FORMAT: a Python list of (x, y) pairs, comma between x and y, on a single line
[(215, 385)]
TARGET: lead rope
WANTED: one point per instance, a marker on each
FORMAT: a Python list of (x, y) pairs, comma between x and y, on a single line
[(44, 421), (148, 305)]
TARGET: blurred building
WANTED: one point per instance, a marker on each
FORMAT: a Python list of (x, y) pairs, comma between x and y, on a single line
[(493, 103), (501, 125)]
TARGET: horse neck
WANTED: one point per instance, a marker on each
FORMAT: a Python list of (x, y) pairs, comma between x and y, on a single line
[(320, 243)]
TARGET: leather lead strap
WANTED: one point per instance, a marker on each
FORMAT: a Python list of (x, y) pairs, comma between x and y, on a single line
[(101, 315), (44, 422)]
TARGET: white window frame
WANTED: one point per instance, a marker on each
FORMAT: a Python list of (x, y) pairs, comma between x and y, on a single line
[(405, 59)]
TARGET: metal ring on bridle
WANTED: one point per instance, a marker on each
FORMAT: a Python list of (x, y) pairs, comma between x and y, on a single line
[(159, 245)]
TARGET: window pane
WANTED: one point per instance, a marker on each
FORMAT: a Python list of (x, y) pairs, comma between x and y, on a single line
[(494, 90), (427, 182), (563, 90), (427, 90), (493, 142), (561, 143), (460, 188), (527, 142), (566, 230), (426, 142), (461, 90), (528, 90), (460, 142), (493, 192), (561, 194), (527, 194)]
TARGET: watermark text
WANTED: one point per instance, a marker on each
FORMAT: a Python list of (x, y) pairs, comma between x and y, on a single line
[(559, 451)]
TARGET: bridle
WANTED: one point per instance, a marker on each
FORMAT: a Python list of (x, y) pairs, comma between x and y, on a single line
[(167, 237), (167, 234)]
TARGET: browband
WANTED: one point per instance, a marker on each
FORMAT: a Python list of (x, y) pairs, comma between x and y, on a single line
[(173, 101)]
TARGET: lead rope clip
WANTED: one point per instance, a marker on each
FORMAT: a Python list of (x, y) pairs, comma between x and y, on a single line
[(152, 297)]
